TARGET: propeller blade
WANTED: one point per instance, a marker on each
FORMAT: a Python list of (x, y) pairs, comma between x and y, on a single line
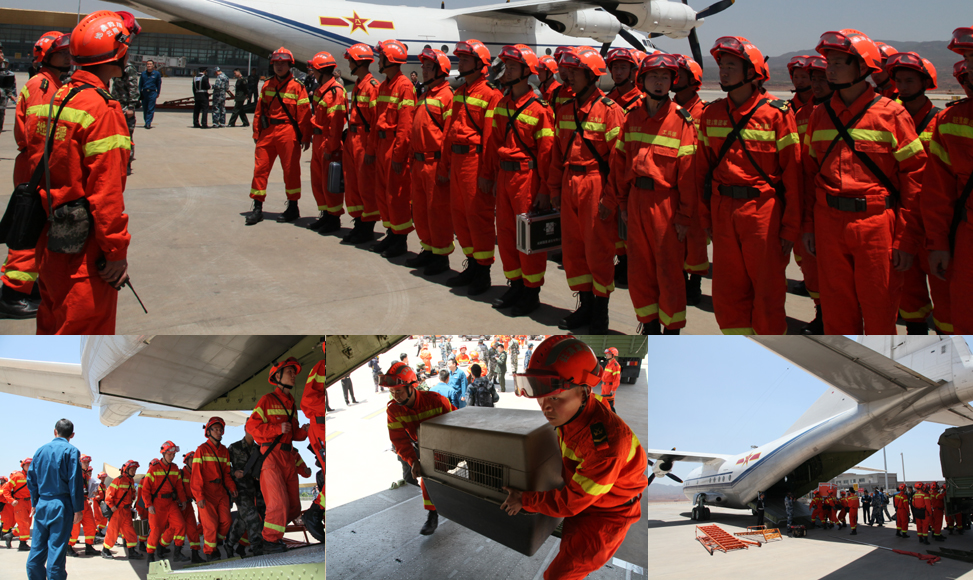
[(694, 45), (632, 39), (673, 477), (605, 48), (651, 477), (714, 9)]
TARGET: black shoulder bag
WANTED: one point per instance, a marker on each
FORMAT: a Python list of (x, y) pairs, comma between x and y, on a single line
[(727, 143), (300, 136)]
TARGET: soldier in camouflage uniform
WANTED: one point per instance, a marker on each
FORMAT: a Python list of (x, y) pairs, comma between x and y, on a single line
[(125, 90), (8, 87), (221, 86), (250, 502)]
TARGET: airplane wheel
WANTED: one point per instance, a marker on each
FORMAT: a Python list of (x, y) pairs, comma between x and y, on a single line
[(695, 514), (706, 514)]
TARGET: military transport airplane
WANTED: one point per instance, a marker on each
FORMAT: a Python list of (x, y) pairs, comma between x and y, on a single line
[(880, 387), (307, 27)]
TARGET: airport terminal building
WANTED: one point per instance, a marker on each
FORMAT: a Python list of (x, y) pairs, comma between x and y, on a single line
[(868, 481), (179, 51)]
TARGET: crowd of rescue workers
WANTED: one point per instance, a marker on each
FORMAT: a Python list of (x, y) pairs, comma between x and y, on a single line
[(867, 184)]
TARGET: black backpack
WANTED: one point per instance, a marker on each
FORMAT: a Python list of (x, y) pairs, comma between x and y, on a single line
[(483, 392)]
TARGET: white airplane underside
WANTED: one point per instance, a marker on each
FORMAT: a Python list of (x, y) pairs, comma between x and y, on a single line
[(880, 388)]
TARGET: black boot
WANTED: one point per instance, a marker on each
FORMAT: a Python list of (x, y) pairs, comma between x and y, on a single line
[(939, 538), (195, 558), (291, 214), (671, 331), (917, 327), (905, 535), (354, 233), (8, 538), (256, 214), (177, 555), (437, 265), (694, 290), (801, 289), (71, 553), (90, 550), (582, 315), (241, 551), (464, 277), (366, 234), (432, 522), (599, 316), (384, 243), (314, 521), (621, 271), (529, 301), (272, 547), (106, 553), (16, 305), (481, 281), (23, 547), (422, 259), (853, 533), (133, 554), (152, 557), (163, 551), (316, 225), (332, 223), (142, 547), (653, 328), (399, 246), (816, 326), (511, 296), (216, 555)]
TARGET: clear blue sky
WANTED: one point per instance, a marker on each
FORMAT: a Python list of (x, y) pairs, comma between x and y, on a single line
[(774, 26), (27, 423), (714, 394)]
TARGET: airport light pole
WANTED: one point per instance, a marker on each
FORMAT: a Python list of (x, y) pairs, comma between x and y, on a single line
[(885, 459), (902, 455)]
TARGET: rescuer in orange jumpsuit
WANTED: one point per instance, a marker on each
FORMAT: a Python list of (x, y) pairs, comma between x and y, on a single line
[(388, 143), (467, 133), (430, 199), (901, 503), (563, 93), (817, 511), (937, 495), (602, 461), (16, 495), (752, 205), (120, 497), (800, 76), (884, 83), (359, 179), (852, 502), (88, 160), (516, 159), (87, 517), (281, 128), (8, 519), (546, 69), (685, 92), (274, 427), (211, 481), (327, 124), (188, 513), (408, 408), (946, 186), (314, 407), (922, 512), (864, 221), (20, 294), (842, 510), (654, 180), (611, 377), (99, 497), (426, 356), (587, 129), (462, 359), (165, 497)]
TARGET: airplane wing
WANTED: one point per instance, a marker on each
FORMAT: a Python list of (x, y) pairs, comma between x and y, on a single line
[(522, 7), (958, 416), (672, 455)]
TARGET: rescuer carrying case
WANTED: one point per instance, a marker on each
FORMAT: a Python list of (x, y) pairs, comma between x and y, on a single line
[(539, 232)]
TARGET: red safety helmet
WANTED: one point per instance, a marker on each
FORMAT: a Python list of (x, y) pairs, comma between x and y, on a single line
[(274, 370), (128, 19), (474, 48), (284, 55), (359, 52), (130, 464), (322, 60), (475, 357), (213, 421), (585, 58), (886, 50), (918, 485), (912, 61), (548, 62), (799, 62), (462, 348), (692, 68), (659, 60), (188, 457), (154, 462), (48, 44), (817, 63), (741, 47), (100, 37), (400, 374), (560, 51), (102, 475), (85, 458), (901, 487), (3, 479), (934, 485), (26, 463), (628, 55), (520, 53), (393, 51), (168, 446), (612, 350), (558, 363), (852, 42), (438, 57), (962, 41)]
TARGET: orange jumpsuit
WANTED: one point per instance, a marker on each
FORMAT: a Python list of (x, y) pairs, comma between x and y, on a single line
[(89, 161), (165, 483), (915, 304), (404, 428), (517, 157), (610, 378), (603, 466), (559, 96), (19, 271), (852, 503), (140, 508), (547, 93), (326, 127), (747, 217), (87, 518), (430, 199), (587, 241), (360, 179), (100, 520), (842, 509), (388, 142), (211, 481), (807, 262), (937, 506), (859, 288), (628, 101), (901, 503), (16, 489), (188, 513), (653, 178), (280, 139), (817, 510), (920, 501), (949, 169), (468, 130), (697, 258), (121, 495), (426, 357), (278, 476), (313, 406), (8, 519)]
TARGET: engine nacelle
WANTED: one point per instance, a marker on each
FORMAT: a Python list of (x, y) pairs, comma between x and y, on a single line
[(591, 23), (673, 19)]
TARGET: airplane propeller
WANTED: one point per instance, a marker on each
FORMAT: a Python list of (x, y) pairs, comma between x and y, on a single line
[(666, 465), (693, 37)]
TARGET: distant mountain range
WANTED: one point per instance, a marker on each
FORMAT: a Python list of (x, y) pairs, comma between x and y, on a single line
[(935, 51), (661, 492)]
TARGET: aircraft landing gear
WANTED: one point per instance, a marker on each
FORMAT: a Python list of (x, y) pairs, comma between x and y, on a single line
[(700, 514)]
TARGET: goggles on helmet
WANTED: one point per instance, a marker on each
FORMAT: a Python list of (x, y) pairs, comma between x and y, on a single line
[(962, 40), (536, 384)]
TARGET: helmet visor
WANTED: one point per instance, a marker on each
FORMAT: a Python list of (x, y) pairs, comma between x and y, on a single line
[(660, 60), (511, 53), (463, 47), (535, 384), (393, 381), (962, 40), (729, 44), (834, 41), (906, 59), (799, 62)]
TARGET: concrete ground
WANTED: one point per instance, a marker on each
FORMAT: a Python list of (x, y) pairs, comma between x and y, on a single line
[(373, 531), (829, 554), (13, 564)]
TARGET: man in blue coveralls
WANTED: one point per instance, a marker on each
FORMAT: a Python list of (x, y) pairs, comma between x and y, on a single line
[(57, 494)]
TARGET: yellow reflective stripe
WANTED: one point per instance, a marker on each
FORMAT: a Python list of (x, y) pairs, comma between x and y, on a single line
[(444, 251), (535, 277), (258, 191), (943, 326), (303, 102), (467, 251), (738, 331), (259, 411), (920, 314), (589, 486), (107, 144), (407, 103), (925, 136), (428, 101), (647, 310), (569, 125), (388, 99), (78, 116), (910, 150), (317, 99), (292, 191), (24, 93), (605, 289), (277, 412), (426, 502), (757, 135), (483, 255), (788, 140), (471, 101), (543, 133), (210, 458), (488, 114), (362, 98), (660, 140), (718, 131), (703, 138), (956, 130), (289, 95), (209, 544), (612, 133), (401, 227), (338, 107), (578, 280), (411, 418), (635, 444), (686, 150), (667, 320), (448, 113), (22, 276), (936, 149), (529, 119), (569, 453), (512, 274), (352, 208)]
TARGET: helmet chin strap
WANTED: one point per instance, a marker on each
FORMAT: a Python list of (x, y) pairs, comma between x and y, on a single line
[(584, 403), (801, 91), (731, 88), (912, 98), (842, 86), (657, 98)]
